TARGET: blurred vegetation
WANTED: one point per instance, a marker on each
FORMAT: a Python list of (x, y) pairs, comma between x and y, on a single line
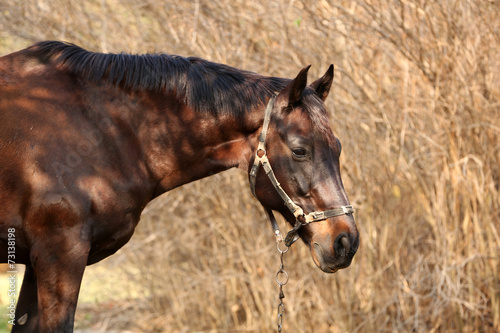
[(416, 104)]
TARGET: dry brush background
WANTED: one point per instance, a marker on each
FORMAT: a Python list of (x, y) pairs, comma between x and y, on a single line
[(416, 104)]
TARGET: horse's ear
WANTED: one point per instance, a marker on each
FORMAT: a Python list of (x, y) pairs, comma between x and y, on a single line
[(322, 85), (294, 89)]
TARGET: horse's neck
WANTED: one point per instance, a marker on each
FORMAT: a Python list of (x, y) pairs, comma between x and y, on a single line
[(182, 145)]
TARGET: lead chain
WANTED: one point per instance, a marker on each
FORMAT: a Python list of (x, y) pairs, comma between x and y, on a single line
[(282, 279)]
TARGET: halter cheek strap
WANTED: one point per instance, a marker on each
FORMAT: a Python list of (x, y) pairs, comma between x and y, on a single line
[(301, 219)]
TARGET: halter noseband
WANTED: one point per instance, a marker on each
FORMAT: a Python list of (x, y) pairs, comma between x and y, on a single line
[(301, 219)]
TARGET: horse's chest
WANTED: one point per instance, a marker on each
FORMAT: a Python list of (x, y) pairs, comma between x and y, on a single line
[(112, 230), (106, 211)]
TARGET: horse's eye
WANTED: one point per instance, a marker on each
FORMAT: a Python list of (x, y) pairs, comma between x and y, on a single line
[(299, 152)]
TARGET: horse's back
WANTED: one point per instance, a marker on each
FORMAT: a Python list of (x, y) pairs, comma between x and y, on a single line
[(33, 99), (64, 161), (33, 95), (31, 88)]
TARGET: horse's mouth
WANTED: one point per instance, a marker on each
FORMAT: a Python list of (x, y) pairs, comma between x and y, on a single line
[(329, 264)]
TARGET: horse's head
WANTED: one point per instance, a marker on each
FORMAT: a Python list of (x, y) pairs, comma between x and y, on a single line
[(301, 151)]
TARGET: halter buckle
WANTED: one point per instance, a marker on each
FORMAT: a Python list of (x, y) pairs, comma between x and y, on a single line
[(348, 209), (318, 216)]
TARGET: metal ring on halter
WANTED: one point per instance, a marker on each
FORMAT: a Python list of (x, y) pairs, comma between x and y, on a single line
[(280, 250), (281, 272)]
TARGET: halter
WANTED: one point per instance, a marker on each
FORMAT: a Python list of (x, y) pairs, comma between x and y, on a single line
[(301, 219)]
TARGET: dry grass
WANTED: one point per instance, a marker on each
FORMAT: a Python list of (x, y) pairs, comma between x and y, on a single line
[(416, 104)]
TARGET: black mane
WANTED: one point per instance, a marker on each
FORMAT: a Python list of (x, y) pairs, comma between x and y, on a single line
[(204, 85)]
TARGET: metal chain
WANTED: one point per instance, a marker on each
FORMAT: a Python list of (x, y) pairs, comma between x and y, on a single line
[(282, 279)]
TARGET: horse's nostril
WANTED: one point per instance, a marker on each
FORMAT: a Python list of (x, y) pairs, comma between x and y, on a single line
[(342, 245), (331, 258), (346, 244)]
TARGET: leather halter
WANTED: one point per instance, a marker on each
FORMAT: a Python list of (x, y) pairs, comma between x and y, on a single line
[(301, 219)]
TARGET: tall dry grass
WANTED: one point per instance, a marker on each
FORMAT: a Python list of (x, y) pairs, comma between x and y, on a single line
[(416, 106)]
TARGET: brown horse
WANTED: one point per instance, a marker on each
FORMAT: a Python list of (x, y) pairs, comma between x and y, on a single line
[(88, 139)]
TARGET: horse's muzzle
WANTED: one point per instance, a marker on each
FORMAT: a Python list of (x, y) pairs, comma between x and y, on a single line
[(332, 257)]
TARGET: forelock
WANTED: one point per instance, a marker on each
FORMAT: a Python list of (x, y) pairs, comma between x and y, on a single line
[(320, 118)]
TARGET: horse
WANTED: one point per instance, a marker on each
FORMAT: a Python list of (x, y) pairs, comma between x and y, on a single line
[(88, 139)]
